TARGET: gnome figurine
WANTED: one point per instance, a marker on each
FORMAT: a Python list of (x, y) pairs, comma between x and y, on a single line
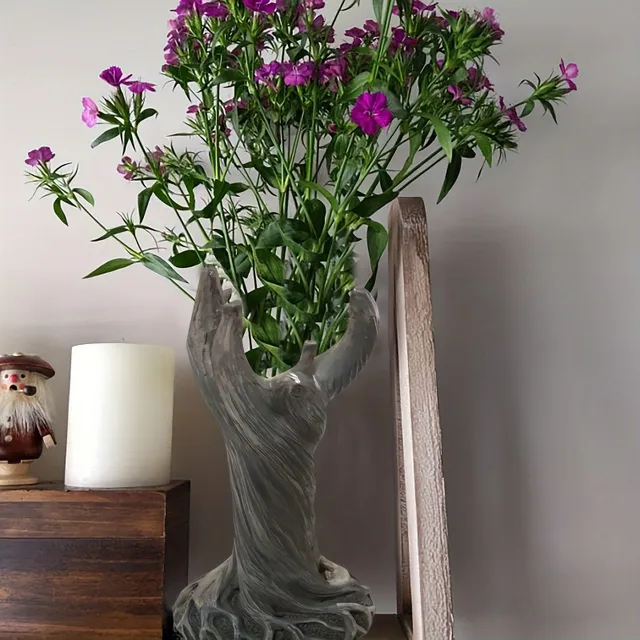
[(25, 416)]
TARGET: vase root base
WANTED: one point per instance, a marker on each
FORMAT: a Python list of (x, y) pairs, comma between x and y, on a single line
[(204, 613)]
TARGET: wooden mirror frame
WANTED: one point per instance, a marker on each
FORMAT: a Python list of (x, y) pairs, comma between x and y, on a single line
[(425, 608)]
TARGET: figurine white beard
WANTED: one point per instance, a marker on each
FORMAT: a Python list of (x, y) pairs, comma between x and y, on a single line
[(19, 411)]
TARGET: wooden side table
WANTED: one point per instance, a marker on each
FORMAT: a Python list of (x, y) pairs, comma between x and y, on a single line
[(85, 565)]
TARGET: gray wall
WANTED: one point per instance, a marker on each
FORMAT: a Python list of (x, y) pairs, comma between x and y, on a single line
[(534, 272)]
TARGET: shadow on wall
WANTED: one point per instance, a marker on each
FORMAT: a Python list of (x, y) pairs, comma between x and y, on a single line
[(199, 455), (355, 501), (488, 493)]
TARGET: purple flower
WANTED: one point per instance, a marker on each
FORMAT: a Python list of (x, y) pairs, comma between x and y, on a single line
[(333, 71), (114, 76), (372, 27), (440, 63), (402, 41), (260, 6), (512, 114), (355, 32), (332, 128), (194, 108), (345, 47), (569, 73), (215, 10), (157, 154), (458, 95), (296, 75), (89, 112), (317, 24), (416, 7), (187, 7), (41, 155), (370, 112), (314, 4), (140, 87), (489, 16), (128, 168), (267, 73), (478, 80)]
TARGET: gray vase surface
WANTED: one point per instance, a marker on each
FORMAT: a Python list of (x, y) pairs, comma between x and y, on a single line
[(276, 583)]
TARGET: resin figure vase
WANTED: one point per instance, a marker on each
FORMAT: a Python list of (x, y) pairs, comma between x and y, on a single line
[(276, 584)]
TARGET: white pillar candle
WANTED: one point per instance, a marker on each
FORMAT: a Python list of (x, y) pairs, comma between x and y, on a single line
[(120, 416)]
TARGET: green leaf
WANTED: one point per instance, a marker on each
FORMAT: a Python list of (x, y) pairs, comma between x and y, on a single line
[(161, 266), (355, 87), (83, 193), (453, 171), (266, 330), (145, 114), (107, 135), (370, 205), (112, 232), (160, 191), (216, 242), (317, 214), (486, 146), (144, 197), (528, 109), (242, 264), (236, 187), (254, 356), (57, 209), (228, 75), (548, 107), (386, 182), (415, 142), (270, 267), (377, 10), (111, 265), (255, 300), (271, 236), (186, 259), (377, 239), (444, 136), (312, 186)]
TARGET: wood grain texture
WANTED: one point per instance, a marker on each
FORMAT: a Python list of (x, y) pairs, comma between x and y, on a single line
[(59, 578), (424, 581), (48, 510)]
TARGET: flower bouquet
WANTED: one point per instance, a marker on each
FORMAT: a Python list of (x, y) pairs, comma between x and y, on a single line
[(294, 139)]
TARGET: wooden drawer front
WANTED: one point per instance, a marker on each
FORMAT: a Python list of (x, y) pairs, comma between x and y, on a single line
[(81, 514), (81, 589)]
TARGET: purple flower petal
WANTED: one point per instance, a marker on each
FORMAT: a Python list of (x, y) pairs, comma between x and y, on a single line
[(114, 76), (89, 112), (370, 112), (138, 87), (215, 10), (383, 118), (372, 27), (355, 32), (41, 155)]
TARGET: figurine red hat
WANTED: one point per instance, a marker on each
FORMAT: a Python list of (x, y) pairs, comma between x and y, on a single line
[(24, 362)]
